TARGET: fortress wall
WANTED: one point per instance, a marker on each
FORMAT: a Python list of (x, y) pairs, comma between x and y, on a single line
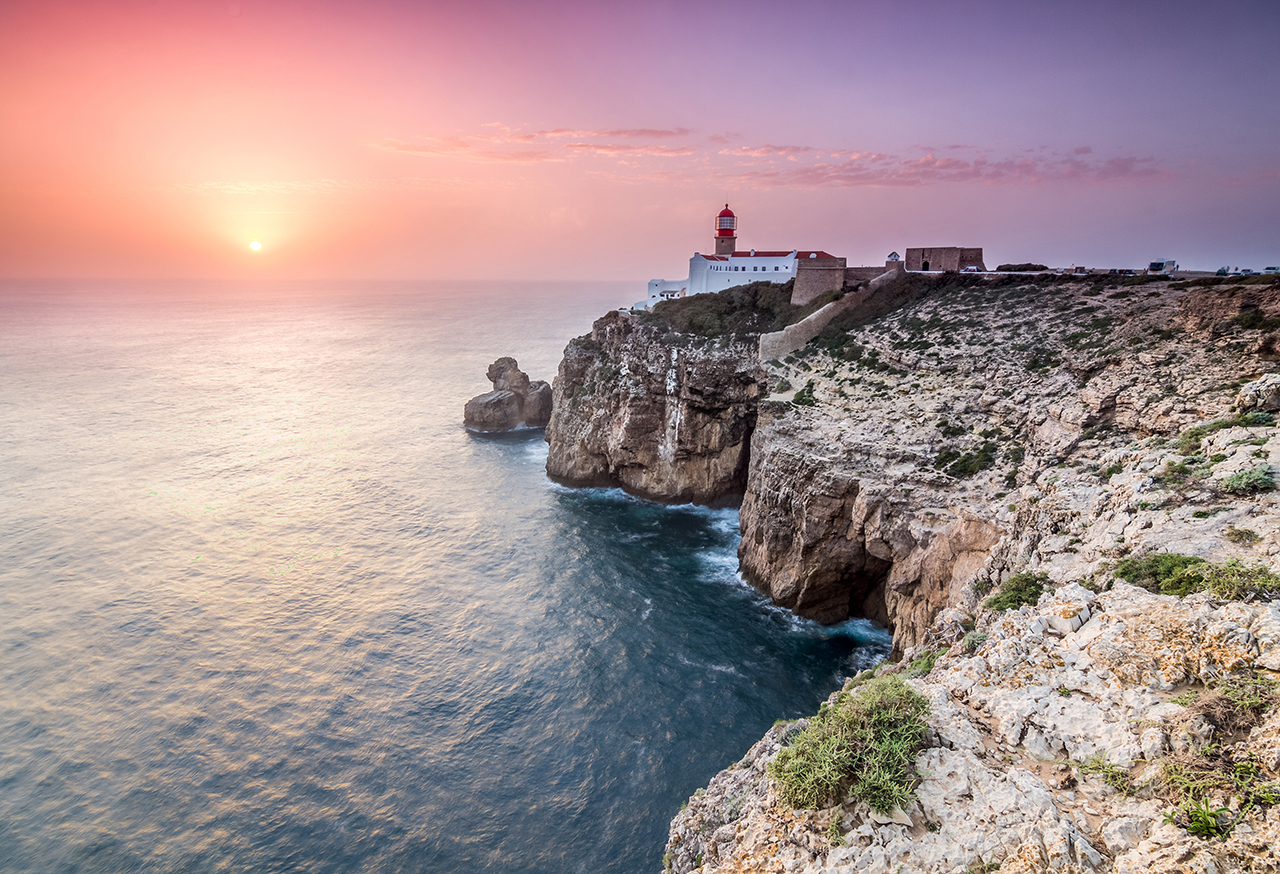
[(793, 337), (816, 276)]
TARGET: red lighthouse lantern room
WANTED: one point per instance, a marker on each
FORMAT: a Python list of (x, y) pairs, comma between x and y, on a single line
[(726, 222)]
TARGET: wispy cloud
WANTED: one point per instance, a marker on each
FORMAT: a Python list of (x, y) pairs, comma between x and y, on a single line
[(627, 149), (641, 133)]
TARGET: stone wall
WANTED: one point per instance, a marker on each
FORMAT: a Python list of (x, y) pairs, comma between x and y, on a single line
[(815, 277), (944, 258)]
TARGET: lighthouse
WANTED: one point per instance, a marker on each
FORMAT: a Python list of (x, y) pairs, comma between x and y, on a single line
[(726, 232)]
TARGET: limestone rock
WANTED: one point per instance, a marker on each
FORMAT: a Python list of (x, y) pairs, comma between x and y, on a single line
[(1261, 394), (667, 418), (514, 401), (537, 404), (493, 411)]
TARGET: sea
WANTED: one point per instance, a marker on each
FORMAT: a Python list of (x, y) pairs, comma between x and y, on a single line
[(266, 605)]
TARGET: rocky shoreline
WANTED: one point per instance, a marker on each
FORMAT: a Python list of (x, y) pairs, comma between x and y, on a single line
[(911, 460)]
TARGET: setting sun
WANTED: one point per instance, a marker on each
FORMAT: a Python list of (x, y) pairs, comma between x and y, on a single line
[(255, 245)]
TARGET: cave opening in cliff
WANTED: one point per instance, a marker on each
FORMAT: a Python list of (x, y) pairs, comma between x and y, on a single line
[(867, 592)]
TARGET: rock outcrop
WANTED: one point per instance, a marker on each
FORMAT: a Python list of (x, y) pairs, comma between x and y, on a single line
[(950, 440), (937, 450), (514, 401), (1051, 742), (665, 416)]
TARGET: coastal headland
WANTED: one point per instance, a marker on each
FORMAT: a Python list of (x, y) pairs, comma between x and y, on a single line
[(1057, 492)]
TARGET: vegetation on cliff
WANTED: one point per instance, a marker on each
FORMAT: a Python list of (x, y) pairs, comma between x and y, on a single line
[(756, 308), (864, 747)]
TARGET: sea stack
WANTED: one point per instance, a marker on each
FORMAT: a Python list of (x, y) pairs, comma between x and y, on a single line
[(514, 401)]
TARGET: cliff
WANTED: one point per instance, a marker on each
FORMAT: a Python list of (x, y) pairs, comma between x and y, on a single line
[(665, 415), (1017, 438), (915, 460)]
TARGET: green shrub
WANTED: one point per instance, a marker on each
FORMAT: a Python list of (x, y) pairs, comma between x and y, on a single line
[(1169, 573), (1174, 473), (1252, 319), (922, 664), (1189, 440), (1021, 588), (1026, 267), (864, 746), (1235, 581), (758, 307), (962, 465), (1156, 572), (1249, 482), (804, 397), (1243, 536)]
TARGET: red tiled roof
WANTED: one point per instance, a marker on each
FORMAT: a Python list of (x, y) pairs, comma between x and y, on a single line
[(759, 253)]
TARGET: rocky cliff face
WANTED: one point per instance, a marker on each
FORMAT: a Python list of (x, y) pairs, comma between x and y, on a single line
[(916, 460), (1053, 433), (1051, 749), (665, 416)]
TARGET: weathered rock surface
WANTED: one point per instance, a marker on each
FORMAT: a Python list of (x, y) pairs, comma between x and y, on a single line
[(667, 417), (854, 506), (1080, 677), (493, 411), (965, 438), (514, 401)]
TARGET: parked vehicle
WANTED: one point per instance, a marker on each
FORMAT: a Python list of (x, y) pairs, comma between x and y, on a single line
[(1164, 265)]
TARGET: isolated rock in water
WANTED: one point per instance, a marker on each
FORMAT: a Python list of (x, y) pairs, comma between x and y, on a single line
[(537, 404), (493, 411), (505, 374), (514, 400)]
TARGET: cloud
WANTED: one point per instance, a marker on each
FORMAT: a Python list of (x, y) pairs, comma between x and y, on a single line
[(767, 151), (784, 165), (626, 149), (645, 133)]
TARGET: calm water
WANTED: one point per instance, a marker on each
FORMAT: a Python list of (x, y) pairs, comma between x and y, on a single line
[(265, 605)]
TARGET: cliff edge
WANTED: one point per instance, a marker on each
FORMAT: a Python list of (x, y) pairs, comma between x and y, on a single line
[(662, 414), (1060, 495)]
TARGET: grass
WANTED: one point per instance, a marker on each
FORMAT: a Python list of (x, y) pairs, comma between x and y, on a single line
[(1188, 780), (1242, 536), (923, 664), (1169, 573), (1019, 589), (1189, 440), (755, 308), (1113, 775), (864, 747)]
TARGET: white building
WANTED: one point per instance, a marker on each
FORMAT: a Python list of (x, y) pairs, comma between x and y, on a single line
[(728, 267)]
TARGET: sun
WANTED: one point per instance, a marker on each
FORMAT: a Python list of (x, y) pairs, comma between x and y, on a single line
[(255, 245)]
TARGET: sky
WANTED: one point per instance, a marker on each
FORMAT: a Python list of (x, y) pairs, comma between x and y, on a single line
[(585, 140)]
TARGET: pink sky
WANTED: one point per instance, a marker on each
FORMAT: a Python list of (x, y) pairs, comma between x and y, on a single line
[(592, 140)]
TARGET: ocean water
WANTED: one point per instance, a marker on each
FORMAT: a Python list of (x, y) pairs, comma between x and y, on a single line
[(265, 605)]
